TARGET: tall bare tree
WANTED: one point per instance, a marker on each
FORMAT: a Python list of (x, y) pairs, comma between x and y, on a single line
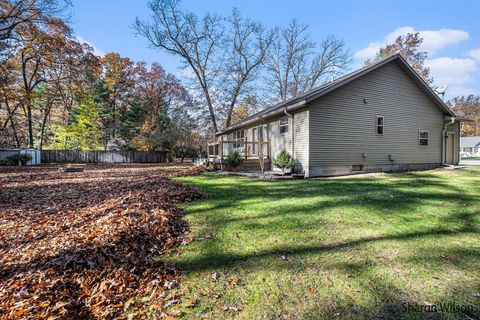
[(18, 13), (247, 44), (196, 41), (296, 64), (223, 57)]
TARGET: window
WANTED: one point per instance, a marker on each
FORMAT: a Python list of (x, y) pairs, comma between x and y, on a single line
[(380, 124), (283, 125), (238, 136), (254, 138), (423, 138)]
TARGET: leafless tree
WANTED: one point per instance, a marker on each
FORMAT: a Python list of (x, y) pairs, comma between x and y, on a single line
[(247, 44), (15, 13), (195, 41), (295, 64), (223, 54)]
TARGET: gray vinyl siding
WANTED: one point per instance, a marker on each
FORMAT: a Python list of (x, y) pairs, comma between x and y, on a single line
[(301, 144), (280, 141), (342, 126)]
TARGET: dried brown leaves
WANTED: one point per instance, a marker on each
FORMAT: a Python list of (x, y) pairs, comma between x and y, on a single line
[(80, 245)]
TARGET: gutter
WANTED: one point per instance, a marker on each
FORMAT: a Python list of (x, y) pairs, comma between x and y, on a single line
[(293, 131), (262, 117)]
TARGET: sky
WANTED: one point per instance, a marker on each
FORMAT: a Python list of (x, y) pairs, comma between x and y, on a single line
[(451, 29)]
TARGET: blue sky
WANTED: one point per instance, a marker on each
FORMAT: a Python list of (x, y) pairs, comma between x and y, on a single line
[(451, 29)]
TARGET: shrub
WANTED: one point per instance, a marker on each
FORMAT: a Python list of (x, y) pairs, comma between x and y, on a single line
[(18, 159), (284, 161), (234, 159)]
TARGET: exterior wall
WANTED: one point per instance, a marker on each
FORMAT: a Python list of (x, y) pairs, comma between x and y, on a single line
[(334, 170), (343, 126), (467, 152), (280, 141), (301, 139)]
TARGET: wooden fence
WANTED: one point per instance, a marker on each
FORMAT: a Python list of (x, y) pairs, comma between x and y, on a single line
[(94, 156), (35, 154)]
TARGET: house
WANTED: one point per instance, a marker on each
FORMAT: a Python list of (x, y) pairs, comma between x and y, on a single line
[(382, 117), (470, 146)]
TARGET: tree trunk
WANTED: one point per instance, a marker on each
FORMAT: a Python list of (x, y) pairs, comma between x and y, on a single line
[(42, 132), (183, 157), (210, 109), (231, 106), (30, 122), (15, 135)]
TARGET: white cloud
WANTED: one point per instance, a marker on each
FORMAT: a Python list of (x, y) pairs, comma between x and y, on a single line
[(474, 54), (455, 91), (452, 71), (433, 40), (97, 51)]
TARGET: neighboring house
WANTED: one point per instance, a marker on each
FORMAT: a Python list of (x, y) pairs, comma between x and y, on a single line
[(382, 117), (470, 146)]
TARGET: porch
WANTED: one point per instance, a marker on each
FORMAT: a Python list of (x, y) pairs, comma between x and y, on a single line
[(247, 149)]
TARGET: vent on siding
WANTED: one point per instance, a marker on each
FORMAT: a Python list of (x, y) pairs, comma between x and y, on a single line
[(357, 167)]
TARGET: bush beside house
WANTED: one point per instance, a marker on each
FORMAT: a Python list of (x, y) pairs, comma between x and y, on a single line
[(284, 161)]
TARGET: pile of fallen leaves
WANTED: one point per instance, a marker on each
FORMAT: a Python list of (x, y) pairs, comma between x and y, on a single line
[(81, 245)]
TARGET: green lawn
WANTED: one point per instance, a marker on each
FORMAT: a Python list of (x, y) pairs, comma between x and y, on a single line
[(384, 246)]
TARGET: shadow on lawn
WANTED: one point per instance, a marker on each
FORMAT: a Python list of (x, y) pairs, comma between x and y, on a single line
[(392, 302), (221, 260), (371, 193), (384, 198), (397, 197)]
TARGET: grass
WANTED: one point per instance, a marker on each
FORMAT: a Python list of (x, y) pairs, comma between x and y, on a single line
[(387, 246), (471, 158)]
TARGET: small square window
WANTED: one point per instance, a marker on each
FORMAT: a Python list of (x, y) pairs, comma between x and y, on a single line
[(283, 125), (423, 138), (380, 125)]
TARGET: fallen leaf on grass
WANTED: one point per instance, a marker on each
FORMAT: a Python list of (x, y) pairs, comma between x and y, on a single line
[(233, 282), (175, 313), (191, 303), (228, 308), (214, 276), (209, 235)]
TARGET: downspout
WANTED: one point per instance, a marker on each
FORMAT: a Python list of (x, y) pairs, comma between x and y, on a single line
[(444, 131), (293, 130)]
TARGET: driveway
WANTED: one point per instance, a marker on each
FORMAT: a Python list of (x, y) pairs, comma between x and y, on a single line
[(470, 163)]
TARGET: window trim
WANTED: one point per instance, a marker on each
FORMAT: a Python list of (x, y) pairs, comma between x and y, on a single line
[(238, 135), (380, 125), (420, 138), (254, 139), (285, 125)]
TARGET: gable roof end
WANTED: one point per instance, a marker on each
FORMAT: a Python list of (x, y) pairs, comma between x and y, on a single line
[(302, 100)]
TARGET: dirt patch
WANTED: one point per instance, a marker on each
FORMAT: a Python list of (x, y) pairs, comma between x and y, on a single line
[(80, 245)]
